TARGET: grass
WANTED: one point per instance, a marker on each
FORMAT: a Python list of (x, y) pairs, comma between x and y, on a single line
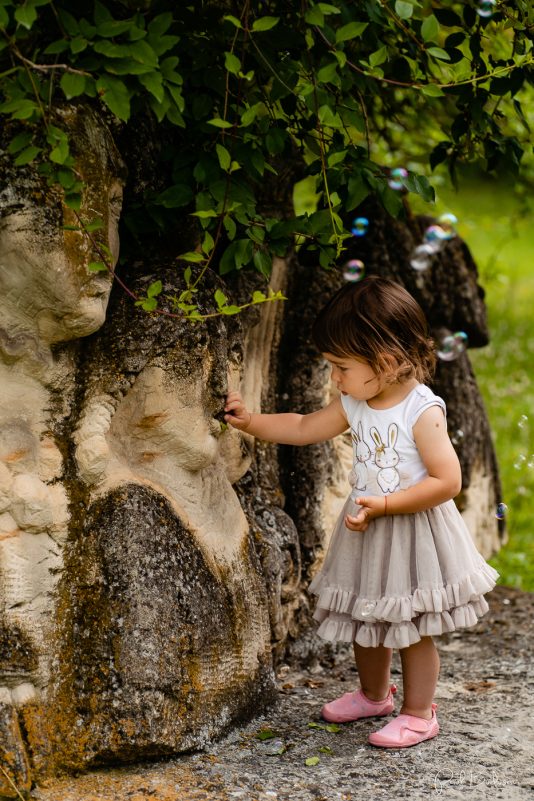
[(498, 232)]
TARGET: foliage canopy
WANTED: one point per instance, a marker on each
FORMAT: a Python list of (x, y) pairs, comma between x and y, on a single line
[(244, 89)]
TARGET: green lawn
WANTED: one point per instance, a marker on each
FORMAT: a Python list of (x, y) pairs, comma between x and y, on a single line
[(499, 234)]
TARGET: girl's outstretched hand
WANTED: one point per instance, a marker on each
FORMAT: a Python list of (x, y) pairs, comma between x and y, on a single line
[(236, 412), (372, 506)]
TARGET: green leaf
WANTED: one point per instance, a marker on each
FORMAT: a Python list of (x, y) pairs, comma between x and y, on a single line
[(78, 45), (432, 90), (265, 23), (231, 309), (113, 27), (26, 15), (97, 267), (311, 761), (404, 10), (350, 31), (192, 256), (72, 84), (160, 24), (27, 155), (233, 20), (314, 16), (263, 263), (258, 297), (18, 142), (153, 82), (224, 157), (143, 53), (204, 214), (57, 47), (327, 73), (115, 95), (265, 734), (94, 225), (148, 305), (220, 298), (154, 289), (378, 57), (232, 63), (430, 28), (437, 52), (175, 196), (219, 123), (230, 227)]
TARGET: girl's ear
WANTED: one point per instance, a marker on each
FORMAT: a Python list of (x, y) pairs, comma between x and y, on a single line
[(388, 367)]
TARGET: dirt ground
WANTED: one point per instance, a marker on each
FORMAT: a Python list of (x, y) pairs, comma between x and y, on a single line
[(485, 749)]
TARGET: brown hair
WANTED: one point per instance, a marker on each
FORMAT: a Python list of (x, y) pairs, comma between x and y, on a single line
[(375, 319)]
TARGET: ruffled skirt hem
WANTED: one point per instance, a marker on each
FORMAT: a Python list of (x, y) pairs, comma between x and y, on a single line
[(397, 619)]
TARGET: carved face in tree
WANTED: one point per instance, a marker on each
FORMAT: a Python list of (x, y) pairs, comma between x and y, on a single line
[(45, 284)]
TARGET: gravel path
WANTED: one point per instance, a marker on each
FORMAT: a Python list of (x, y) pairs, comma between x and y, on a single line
[(485, 749)]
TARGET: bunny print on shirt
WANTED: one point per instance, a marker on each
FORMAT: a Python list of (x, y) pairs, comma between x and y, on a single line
[(362, 454), (386, 459)]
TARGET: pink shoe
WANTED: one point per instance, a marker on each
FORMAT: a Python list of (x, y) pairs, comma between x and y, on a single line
[(405, 730), (356, 705)]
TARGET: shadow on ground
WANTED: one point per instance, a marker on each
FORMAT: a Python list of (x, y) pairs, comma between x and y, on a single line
[(485, 749)]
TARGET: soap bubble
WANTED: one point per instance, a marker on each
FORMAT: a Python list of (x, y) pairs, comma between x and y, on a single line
[(447, 221), (396, 177), (360, 226), (486, 8), (421, 256), (501, 511), (354, 270), (523, 421), (435, 233), (368, 608), (520, 461), (457, 437), (451, 346)]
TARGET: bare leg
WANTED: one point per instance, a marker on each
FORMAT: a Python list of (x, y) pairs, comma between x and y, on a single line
[(374, 670), (420, 671)]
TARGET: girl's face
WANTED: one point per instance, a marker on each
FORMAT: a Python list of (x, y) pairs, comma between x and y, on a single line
[(354, 377)]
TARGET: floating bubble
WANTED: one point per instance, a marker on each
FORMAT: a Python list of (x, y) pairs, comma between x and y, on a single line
[(360, 226), (421, 257), (437, 234), (523, 421), (396, 177), (368, 608), (354, 270), (486, 8), (447, 221), (457, 437), (452, 346), (501, 511), (530, 462), (520, 461)]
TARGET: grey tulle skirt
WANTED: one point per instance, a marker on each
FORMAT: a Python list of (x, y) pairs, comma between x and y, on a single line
[(406, 577)]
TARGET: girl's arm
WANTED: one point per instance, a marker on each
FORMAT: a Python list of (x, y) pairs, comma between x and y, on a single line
[(444, 480), (287, 429)]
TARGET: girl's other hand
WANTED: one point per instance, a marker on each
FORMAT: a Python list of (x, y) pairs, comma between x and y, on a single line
[(370, 507), (237, 414)]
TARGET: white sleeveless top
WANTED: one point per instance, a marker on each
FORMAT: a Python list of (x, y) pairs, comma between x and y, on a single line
[(385, 456)]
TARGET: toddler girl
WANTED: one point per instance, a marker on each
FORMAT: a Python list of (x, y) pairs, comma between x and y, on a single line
[(401, 565)]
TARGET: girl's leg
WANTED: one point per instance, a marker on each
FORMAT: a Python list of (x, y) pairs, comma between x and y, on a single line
[(374, 670), (420, 671)]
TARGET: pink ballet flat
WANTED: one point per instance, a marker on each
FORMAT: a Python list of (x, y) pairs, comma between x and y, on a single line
[(355, 705), (406, 730)]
